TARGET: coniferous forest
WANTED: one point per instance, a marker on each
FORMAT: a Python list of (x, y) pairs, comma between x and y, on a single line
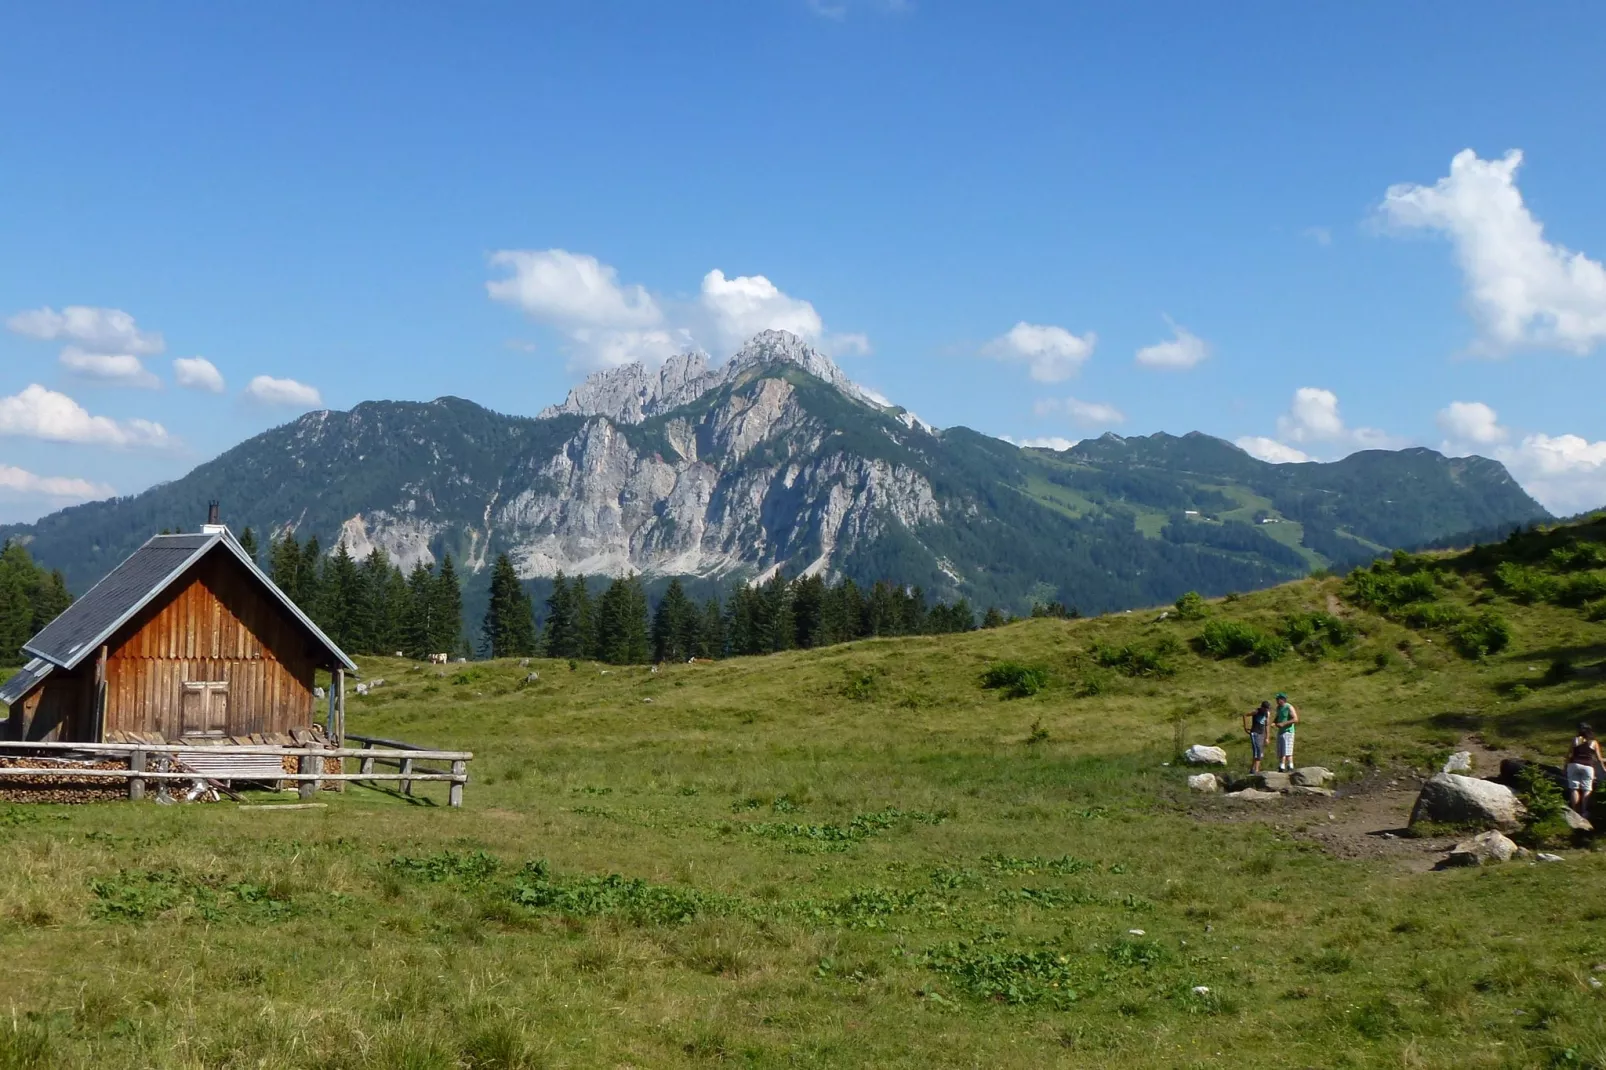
[(30, 598)]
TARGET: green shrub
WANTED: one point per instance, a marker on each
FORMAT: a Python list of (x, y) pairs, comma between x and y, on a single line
[(1313, 633), (1135, 659), (1524, 583), (1487, 633), (1235, 639), (1432, 615), (1596, 610), (1383, 587), (1014, 679), (1579, 555), (1191, 606), (1583, 588)]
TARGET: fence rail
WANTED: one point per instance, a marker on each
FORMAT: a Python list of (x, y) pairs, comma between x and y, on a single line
[(310, 774)]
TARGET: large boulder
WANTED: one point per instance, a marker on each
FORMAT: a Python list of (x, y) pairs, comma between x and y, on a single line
[(1271, 781), (1462, 800), (1200, 754), (1511, 771), (1313, 776), (1205, 782), (1576, 821), (1482, 850)]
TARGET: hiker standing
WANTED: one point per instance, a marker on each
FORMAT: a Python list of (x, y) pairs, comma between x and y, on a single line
[(1257, 722), (1582, 763), (1285, 720)]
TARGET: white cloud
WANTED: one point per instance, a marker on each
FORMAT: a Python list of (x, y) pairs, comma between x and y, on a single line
[(1083, 413), (1269, 449), (609, 323), (1470, 422), (1183, 351), (1319, 235), (112, 369), (20, 482), (198, 373), (1051, 354), (1565, 473), (271, 391), (747, 304), (45, 414), (1042, 442), (97, 330), (1522, 289), (1313, 417)]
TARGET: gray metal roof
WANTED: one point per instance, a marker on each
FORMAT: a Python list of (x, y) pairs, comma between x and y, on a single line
[(131, 586), (22, 683)]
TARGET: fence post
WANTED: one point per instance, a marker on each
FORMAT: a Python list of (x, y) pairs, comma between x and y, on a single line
[(460, 771), (136, 784), (310, 763)]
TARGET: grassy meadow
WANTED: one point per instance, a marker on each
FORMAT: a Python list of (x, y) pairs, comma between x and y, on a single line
[(856, 856)]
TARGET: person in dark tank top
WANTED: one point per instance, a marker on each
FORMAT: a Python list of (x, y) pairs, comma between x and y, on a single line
[(1583, 762)]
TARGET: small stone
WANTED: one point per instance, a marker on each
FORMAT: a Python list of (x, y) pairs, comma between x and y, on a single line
[(1201, 990), (1136, 932), (1205, 782), (1576, 821), (1545, 856), (1483, 849), (1459, 762), (1593, 983)]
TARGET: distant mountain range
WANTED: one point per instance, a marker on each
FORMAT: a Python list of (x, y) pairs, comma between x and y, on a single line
[(775, 460)]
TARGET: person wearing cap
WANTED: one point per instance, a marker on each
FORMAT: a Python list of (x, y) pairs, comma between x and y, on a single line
[(1285, 720), (1256, 723)]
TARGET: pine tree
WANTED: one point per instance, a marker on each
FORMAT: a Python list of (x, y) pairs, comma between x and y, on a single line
[(446, 610), (558, 631), (248, 543), (994, 618), (622, 633), (418, 628), (509, 627), (309, 582), (346, 605), (50, 598), (808, 612), (396, 603), (584, 609), (711, 636), (674, 625), (284, 565)]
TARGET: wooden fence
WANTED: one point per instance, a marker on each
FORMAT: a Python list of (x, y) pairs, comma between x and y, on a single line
[(246, 762)]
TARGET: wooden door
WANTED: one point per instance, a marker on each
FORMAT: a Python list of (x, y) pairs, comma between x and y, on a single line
[(206, 708)]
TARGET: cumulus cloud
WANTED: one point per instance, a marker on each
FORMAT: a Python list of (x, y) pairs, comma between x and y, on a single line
[(1051, 354), (1522, 290), (96, 330), (1470, 422), (198, 373), (53, 417), (17, 481), (1183, 351), (111, 369), (270, 391), (1565, 473), (1042, 442), (1083, 413), (1313, 421), (609, 323), (1269, 449)]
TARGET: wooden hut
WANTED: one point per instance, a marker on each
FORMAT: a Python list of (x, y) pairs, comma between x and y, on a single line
[(187, 640)]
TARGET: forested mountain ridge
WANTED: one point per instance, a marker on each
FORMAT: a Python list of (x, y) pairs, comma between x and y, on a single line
[(770, 464)]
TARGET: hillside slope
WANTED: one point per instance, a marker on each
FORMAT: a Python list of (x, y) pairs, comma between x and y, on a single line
[(776, 461)]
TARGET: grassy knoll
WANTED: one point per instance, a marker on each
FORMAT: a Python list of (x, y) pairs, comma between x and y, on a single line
[(857, 856)]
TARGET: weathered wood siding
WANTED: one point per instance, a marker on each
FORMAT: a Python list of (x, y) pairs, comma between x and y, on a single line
[(216, 624), (60, 709)]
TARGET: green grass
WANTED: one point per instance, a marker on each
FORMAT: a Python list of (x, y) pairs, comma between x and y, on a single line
[(769, 862)]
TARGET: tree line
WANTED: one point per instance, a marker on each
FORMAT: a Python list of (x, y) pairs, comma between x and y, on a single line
[(30, 598)]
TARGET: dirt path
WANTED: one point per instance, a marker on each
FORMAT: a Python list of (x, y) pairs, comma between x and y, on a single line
[(1366, 818)]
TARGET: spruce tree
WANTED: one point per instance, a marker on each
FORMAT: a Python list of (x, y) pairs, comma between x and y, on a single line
[(397, 609), (50, 598), (418, 628), (284, 565), (346, 604), (711, 636), (994, 618), (509, 627), (558, 631), (585, 619), (309, 582), (674, 625), (248, 543), (446, 610)]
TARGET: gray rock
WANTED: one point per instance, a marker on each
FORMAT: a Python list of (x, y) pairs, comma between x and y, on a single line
[(1484, 849), (1200, 754), (1252, 795), (1205, 782), (1464, 800), (1306, 789), (1313, 776), (1271, 781), (1459, 762), (1576, 821), (1543, 856)]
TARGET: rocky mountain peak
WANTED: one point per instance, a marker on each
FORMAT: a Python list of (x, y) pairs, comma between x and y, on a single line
[(634, 392)]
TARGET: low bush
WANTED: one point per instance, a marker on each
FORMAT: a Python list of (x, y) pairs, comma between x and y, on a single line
[(1191, 606), (1135, 659), (1313, 633), (1482, 635), (1014, 679), (1584, 588), (1525, 583), (1383, 587), (1235, 639)]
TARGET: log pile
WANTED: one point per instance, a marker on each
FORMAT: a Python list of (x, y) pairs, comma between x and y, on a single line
[(56, 784)]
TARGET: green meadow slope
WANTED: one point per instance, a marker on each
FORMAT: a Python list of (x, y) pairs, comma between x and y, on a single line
[(861, 856)]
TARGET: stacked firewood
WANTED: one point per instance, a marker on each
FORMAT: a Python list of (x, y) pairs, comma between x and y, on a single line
[(56, 783)]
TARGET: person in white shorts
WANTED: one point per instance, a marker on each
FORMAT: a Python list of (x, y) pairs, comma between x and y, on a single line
[(1583, 761)]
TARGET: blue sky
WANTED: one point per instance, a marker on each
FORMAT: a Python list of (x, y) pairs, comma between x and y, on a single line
[(987, 211)]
